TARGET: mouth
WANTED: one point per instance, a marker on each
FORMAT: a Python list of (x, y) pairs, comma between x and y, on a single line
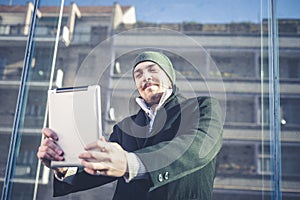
[(148, 85)]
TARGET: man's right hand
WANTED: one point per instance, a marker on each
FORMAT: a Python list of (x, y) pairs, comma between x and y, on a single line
[(49, 150)]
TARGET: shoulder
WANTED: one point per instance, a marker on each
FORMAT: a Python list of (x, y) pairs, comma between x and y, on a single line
[(193, 103), (201, 101), (210, 101), (203, 106)]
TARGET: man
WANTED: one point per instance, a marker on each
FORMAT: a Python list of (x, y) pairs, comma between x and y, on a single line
[(166, 151)]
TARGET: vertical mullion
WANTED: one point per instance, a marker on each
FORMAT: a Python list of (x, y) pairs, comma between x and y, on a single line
[(274, 103)]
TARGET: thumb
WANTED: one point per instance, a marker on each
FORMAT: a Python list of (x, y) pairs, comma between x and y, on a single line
[(102, 139)]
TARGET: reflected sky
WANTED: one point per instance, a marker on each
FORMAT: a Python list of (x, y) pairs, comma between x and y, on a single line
[(202, 11)]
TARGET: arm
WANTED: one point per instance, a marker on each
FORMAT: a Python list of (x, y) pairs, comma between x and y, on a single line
[(80, 181), (106, 158), (198, 141), (49, 151), (88, 177)]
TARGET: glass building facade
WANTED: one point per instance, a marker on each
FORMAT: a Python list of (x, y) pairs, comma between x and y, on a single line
[(251, 67)]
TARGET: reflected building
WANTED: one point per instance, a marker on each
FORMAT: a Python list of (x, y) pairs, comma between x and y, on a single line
[(97, 45)]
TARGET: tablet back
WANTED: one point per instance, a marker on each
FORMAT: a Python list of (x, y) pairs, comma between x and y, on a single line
[(75, 115)]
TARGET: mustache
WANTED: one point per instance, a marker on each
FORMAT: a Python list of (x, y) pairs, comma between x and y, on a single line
[(149, 83)]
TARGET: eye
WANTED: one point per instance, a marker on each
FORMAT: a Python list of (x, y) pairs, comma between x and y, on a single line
[(152, 69), (138, 75)]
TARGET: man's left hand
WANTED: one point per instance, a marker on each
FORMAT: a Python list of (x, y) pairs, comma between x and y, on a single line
[(104, 158)]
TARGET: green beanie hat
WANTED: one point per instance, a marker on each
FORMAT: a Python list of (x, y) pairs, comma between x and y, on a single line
[(160, 59)]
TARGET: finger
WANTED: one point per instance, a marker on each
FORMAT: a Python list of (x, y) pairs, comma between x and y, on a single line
[(86, 155), (43, 153), (91, 146), (102, 139), (49, 133), (52, 145), (43, 156), (93, 165), (104, 146), (47, 153), (90, 171), (95, 172), (46, 157), (99, 144), (91, 156)]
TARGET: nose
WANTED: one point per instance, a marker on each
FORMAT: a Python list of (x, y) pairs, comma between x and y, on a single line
[(147, 76)]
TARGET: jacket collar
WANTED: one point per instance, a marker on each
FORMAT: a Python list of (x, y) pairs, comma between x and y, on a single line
[(150, 112)]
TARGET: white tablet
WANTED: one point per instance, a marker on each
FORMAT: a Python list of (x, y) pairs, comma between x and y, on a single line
[(75, 115)]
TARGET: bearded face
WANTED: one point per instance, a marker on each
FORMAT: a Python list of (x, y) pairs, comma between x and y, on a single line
[(151, 81)]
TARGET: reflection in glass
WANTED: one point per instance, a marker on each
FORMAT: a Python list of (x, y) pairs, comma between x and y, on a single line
[(234, 36)]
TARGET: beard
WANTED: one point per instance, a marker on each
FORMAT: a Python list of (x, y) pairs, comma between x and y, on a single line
[(154, 99), (152, 92)]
